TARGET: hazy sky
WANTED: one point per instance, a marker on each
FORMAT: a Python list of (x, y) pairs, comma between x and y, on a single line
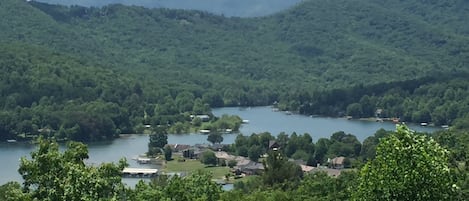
[(242, 8)]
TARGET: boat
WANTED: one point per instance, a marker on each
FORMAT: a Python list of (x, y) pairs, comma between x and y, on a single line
[(11, 141), (423, 124), (245, 121), (141, 160)]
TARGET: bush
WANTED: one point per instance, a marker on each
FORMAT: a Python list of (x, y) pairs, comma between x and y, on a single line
[(208, 158)]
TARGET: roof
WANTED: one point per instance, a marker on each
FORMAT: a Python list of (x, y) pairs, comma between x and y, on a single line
[(306, 168), (140, 171), (273, 144), (239, 159), (329, 171), (253, 166), (179, 147), (338, 160)]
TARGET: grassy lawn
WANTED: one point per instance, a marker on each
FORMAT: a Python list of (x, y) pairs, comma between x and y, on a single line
[(190, 166)]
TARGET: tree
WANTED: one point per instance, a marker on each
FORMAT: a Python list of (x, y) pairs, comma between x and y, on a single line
[(232, 163), (322, 147), (254, 152), (197, 186), (215, 137), (279, 171), (354, 110), (168, 153), (53, 175), (208, 158), (407, 166), (158, 139), (12, 191)]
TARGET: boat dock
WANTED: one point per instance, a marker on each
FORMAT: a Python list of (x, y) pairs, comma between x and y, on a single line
[(140, 172)]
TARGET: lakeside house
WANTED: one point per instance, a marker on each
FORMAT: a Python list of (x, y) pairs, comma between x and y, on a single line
[(191, 153), (202, 117), (329, 171), (179, 147), (243, 164), (273, 145), (252, 168), (337, 162), (306, 168)]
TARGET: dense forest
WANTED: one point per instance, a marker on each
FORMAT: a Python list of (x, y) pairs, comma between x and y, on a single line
[(91, 73)]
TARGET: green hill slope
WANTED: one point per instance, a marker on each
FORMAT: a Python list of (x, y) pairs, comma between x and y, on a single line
[(316, 41), (317, 47)]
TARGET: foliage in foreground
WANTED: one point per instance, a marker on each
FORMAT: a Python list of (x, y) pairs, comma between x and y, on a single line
[(53, 175), (407, 167)]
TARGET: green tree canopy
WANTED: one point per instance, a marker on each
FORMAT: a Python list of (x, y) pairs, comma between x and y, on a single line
[(208, 158), (408, 166), (54, 175), (215, 137)]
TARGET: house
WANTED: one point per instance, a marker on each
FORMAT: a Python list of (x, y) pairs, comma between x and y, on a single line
[(273, 145), (191, 153), (306, 168), (219, 147), (337, 162), (329, 171), (378, 112), (202, 117), (179, 147), (251, 168)]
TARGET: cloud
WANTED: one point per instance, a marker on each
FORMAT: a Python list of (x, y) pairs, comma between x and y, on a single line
[(241, 8)]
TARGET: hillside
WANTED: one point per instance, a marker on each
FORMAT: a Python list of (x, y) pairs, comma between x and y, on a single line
[(311, 58), (315, 41)]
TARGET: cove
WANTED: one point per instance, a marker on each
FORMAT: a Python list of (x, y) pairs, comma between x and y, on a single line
[(261, 119)]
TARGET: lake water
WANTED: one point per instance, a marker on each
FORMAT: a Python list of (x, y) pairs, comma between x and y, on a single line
[(261, 119)]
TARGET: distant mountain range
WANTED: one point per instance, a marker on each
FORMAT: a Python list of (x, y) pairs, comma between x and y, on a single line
[(239, 8)]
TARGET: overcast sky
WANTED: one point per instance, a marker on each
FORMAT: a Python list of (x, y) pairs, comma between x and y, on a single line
[(242, 8)]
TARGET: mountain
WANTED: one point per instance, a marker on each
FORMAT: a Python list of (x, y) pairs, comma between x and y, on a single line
[(239, 8), (315, 41), (319, 57)]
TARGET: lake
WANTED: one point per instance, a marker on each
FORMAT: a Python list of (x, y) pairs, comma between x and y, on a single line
[(261, 119)]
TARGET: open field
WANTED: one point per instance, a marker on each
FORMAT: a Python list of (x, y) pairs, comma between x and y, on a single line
[(190, 166)]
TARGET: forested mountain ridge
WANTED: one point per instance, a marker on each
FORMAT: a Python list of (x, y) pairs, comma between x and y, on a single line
[(307, 58), (315, 41)]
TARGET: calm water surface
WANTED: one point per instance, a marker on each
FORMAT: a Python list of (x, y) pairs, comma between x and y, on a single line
[(261, 119)]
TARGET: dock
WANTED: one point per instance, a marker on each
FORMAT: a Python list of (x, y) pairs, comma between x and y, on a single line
[(140, 172)]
